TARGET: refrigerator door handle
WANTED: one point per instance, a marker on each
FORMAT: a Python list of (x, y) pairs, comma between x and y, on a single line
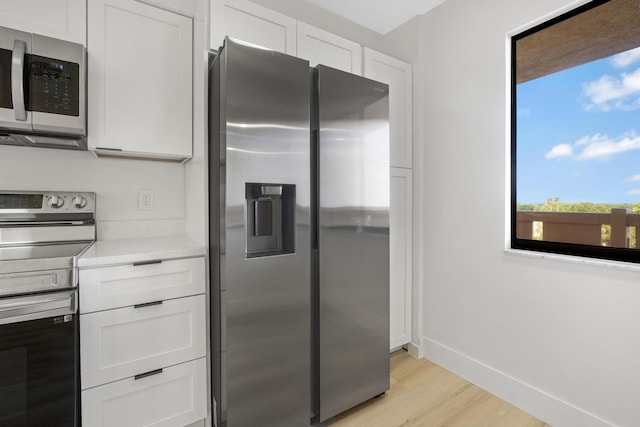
[(315, 137), (223, 320)]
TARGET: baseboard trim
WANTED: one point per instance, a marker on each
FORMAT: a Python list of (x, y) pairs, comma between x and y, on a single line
[(538, 403), (414, 350)]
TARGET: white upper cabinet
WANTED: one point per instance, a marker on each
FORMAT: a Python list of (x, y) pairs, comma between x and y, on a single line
[(249, 22), (60, 19), (397, 75), (140, 81), (321, 47)]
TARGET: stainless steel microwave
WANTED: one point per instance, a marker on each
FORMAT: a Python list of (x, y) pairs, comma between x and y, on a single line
[(42, 91)]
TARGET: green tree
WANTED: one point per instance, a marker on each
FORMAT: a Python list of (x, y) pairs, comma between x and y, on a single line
[(551, 205), (526, 207)]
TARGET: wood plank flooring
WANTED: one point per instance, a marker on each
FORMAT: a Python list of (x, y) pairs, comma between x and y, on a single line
[(423, 394)]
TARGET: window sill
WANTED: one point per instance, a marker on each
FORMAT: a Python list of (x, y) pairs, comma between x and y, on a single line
[(619, 265)]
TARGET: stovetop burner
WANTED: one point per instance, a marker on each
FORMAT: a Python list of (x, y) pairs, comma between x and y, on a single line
[(14, 259)]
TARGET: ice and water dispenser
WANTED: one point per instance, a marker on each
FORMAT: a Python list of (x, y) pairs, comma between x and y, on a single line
[(270, 219)]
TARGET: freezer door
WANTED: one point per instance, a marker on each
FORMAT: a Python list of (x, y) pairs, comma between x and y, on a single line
[(260, 184), (353, 240)]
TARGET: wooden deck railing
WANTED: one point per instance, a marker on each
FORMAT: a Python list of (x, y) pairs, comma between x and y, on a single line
[(580, 227)]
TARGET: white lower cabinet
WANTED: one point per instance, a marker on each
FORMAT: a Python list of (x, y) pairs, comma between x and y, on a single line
[(128, 341), (126, 285), (143, 335), (175, 396), (400, 244)]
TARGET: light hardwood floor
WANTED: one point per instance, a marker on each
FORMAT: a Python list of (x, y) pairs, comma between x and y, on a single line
[(423, 394)]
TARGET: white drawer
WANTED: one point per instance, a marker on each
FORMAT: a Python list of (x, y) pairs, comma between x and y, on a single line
[(121, 343), (177, 396), (123, 285)]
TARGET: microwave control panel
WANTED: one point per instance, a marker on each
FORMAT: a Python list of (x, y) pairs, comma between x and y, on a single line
[(54, 86)]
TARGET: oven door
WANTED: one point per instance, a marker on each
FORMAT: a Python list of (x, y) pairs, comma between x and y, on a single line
[(39, 360)]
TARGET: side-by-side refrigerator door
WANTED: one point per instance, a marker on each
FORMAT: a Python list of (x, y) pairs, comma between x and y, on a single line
[(260, 238), (353, 240)]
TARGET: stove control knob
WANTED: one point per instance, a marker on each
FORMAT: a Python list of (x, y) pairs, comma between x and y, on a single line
[(79, 202), (55, 202)]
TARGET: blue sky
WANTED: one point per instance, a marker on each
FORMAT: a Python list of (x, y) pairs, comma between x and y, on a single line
[(579, 133)]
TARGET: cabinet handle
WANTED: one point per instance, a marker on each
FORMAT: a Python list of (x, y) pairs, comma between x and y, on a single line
[(148, 374), (155, 261), (108, 149), (147, 304)]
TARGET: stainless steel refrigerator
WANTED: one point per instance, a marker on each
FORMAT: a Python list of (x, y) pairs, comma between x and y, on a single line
[(299, 239)]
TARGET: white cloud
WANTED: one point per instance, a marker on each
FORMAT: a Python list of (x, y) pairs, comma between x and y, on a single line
[(632, 192), (602, 146), (561, 150), (588, 140), (634, 178), (596, 147), (625, 59), (609, 92)]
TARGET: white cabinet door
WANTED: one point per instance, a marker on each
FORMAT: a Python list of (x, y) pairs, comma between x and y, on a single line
[(140, 81), (121, 343), (400, 218), (397, 75), (321, 47), (249, 22), (177, 396), (61, 19), (123, 285)]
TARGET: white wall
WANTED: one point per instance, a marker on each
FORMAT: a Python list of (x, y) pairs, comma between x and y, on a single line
[(115, 181), (557, 338)]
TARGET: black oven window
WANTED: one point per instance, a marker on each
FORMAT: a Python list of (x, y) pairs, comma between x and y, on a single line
[(13, 386), (38, 375)]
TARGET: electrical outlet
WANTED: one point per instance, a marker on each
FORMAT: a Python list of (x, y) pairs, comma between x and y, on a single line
[(145, 200)]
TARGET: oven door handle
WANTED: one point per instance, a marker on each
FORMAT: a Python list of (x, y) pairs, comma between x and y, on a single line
[(41, 306)]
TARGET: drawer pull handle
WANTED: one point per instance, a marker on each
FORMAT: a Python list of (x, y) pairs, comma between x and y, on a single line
[(147, 304), (155, 261), (148, 374), (108, 149)]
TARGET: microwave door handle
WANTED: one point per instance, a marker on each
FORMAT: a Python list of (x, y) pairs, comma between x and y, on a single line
[(17, 79)]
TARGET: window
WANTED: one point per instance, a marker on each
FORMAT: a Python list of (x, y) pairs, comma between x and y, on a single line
[(575, 139)]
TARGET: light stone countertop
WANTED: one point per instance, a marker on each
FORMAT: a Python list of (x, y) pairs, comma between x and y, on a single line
[(126, 251)]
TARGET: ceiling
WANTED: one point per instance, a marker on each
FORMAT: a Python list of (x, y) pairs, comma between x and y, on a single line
[(381, 16), (574, 41)]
